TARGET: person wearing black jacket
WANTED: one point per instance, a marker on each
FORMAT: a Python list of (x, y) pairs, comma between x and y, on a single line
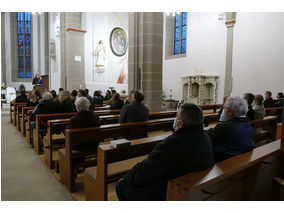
[(249, 97), (117, 102), (65, 102), (22, 97), (136, 111), (268, 102), (37, 79), (187, 150), (235, 135)]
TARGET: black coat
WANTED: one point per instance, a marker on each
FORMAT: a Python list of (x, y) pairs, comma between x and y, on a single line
[(118, 104), (84, 119), (98, 100), (134, 112), (185, 151), (268, 103), (45, 107), (250, 113), (37, 81), (21, 99), (66, 106), (231, 138)]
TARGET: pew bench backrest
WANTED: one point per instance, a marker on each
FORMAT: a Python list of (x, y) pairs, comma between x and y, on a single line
[(180, 187)]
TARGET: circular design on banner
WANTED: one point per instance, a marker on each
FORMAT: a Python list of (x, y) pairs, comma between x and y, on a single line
[(118, 41)]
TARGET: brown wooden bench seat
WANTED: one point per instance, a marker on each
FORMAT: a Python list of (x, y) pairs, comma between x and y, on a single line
[(213, 107), (24, 119), (15, 112), (96, 184), (59, 125), (81, 136), (189, 186), (96, 179), (275, 111)]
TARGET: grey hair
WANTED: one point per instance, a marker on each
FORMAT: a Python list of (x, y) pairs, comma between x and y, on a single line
[(238, 106), (47, 96), (191, 115), (82, 103)]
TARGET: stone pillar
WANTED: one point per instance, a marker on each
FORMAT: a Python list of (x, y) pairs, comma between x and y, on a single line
[(230, 22), (3, 49), (146, 56), (72, 44)]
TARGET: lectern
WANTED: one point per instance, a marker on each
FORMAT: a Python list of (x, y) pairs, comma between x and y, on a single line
[(40, 87)]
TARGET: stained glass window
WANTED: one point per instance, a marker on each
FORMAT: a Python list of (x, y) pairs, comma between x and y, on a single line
[(180, 33), (24, 44)]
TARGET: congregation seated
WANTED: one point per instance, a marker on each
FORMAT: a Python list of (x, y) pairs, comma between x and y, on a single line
[(108, 95), (84, 118), (74, 95), (98, 99), (88, 96), (280, 100), (34, 98), (82, 93), (65, 102), (53, 92), (22, 97), (46, 106), (129, 100), (110, 101), (187, 150), (268, 102), (258, 107), (235, 135), (249, 98), (117, 103), (136, 111)]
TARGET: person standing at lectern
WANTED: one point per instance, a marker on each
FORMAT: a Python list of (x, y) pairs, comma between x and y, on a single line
[(37, 79)]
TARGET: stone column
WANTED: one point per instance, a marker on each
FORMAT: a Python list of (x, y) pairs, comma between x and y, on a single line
[(146, 56), (72, 44), (230, 22), (3, 49)]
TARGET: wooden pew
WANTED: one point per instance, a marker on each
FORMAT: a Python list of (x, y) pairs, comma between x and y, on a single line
[(242, 168), (45, 117), (96, 179), (59, 125), (19, 116), (25, 119), (38, 132), (268, 127), (15, 112), (28, 126), (275, 111), (81, 136), (213, 107)]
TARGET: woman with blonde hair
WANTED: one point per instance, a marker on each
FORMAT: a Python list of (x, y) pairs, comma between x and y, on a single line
[(65, 102), (129, 99)]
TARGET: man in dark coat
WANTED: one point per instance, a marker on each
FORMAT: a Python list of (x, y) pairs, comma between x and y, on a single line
[(84, 118), (249, 97), (235, 135), (136, 111), (187, 150), (268, 102)]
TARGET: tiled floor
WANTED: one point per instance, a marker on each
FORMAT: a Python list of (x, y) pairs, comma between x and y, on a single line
[(23, 176)]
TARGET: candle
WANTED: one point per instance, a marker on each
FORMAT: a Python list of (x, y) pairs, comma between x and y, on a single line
[(171, 92)]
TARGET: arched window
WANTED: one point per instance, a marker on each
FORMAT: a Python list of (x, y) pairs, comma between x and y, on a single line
[(24, 44), (180, 33)]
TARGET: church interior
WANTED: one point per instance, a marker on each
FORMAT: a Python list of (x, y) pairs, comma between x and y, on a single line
[(166, 59)]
